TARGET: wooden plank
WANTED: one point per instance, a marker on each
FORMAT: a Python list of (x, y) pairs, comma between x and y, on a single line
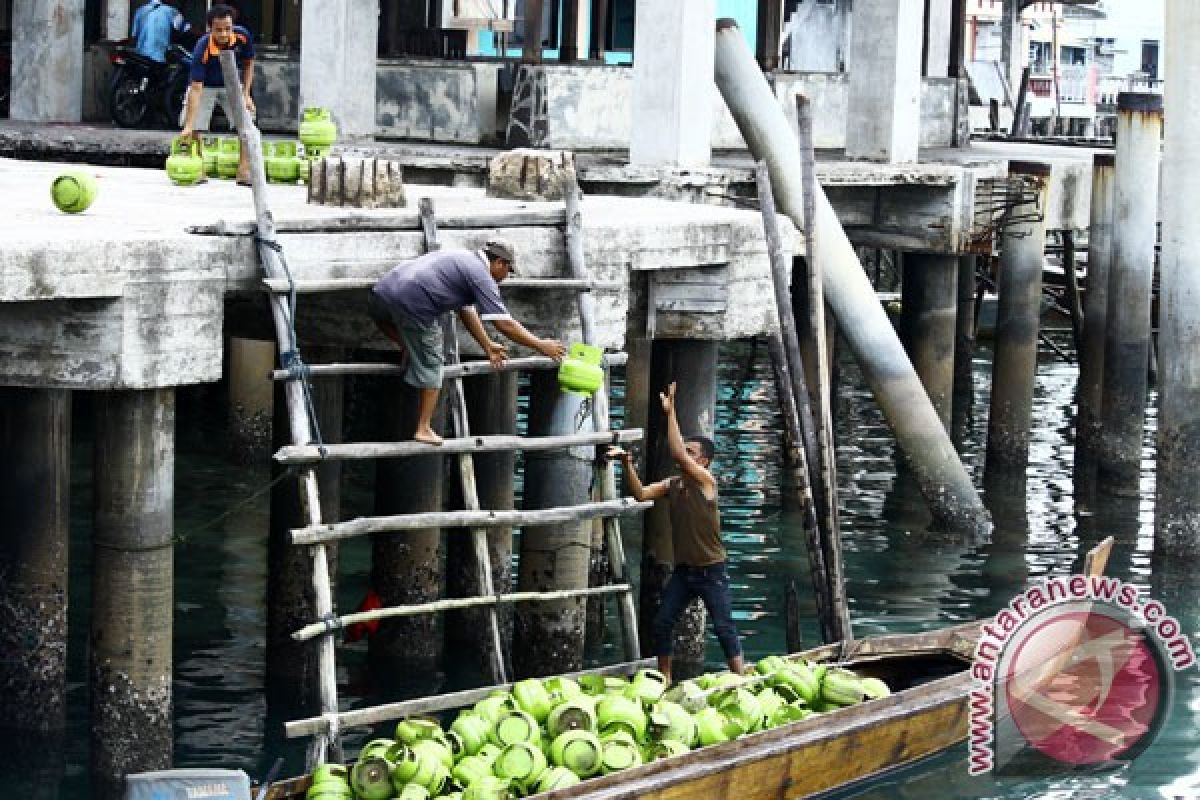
[(717, 276), (316, 286), (1097, 558), (466, 519), (429, 705), (481, 219), (464, 369), (307, 454), (690, 306), (455, 604)]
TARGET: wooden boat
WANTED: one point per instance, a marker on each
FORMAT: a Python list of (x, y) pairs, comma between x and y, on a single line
[(927, 713)]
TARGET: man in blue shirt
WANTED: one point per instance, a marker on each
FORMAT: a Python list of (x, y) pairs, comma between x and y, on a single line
[(153, 25), (407, 302), (208, 84)]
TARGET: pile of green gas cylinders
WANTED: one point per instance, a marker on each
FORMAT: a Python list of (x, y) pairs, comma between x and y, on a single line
[(552, 733)]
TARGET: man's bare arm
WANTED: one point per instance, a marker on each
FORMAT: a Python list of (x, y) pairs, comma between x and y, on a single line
[(639, 492)]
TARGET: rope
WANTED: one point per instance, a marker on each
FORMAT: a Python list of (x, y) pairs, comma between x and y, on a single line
[(289, 357), (287, 473)]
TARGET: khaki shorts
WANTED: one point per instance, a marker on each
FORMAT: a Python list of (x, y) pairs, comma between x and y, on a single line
[(208, 103), (424, 344)]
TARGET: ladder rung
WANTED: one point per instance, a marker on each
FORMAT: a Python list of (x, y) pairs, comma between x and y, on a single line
[(311, 453), (466, 369), (455, 604), (315, 286), (361, 717), (363, 526)]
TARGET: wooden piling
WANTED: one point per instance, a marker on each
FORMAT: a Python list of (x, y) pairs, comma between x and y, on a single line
[(35, 437), (1177, 511), (491, 409), (132, 586), (548, 638), (927, 325), (292, 679), (1130, 286), (1019, 285)]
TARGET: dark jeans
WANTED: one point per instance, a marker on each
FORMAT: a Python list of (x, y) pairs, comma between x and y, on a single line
[(710, 584)]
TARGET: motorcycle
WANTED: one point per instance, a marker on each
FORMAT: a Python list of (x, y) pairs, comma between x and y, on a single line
[(144, 91)]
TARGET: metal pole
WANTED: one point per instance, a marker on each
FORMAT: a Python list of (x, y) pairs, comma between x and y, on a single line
[(862, 321), (1130, 284), (1177, 513), (1019, 286)]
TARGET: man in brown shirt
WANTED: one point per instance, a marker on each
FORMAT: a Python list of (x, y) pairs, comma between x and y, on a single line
[(700, 569)]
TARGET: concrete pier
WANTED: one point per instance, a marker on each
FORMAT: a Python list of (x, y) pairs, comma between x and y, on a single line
[(930, 308), (406, 567), (1177, 511), (491, 409), (47, 61), (548, 637), (1095, 313), (672, 83), (35, 437), (338, 63), (692, 364), (1019, 286), (292, 679), (884, 118), (1130, 285), (132, 586)]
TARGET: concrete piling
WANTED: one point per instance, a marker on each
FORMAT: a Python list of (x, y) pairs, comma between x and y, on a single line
[(548, 637), (861, 320), (491, 409), (1095, 313), (132, 588), (1177, 511), (35, 437), (250, 398), (406, 567), (1130, 285), (693, 365), (927, 327), (1019, 286), (292, 678)]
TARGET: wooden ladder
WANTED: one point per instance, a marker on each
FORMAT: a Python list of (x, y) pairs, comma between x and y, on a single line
[(305, 454)]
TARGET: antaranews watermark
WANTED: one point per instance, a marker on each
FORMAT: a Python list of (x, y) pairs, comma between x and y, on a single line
[(1077, 672)]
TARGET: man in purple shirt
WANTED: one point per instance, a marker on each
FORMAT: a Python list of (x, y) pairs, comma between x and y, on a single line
[(407, 302)]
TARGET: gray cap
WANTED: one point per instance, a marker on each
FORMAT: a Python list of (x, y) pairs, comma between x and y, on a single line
[(499, 247)]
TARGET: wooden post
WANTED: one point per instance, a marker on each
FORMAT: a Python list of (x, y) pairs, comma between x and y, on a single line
[(1071, 284), (491, 408), (326, 747), (548, 638), (568, 46), (770, 28), (35, 437), (292, 677), (406, 567), (599, 29), (1020, 121), (132, 587), (531, 51)]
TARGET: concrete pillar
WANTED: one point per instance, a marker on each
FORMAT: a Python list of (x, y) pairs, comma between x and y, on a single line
[(116, 20), (548, 638), (337, 63), (1019, 286), (939, 29), (292, 679), (132, 588), (1012, 46), (930, 305), (964, 329), (672, 83), (491, 409), (1130, 285), (693, 365), (47, 61), (406, 567), (1177, 512), (35, 437), (1095, 308), (251, 398), (884, 116)]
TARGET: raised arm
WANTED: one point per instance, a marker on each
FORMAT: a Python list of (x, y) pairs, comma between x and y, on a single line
[(634, 483), (687, 465)]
